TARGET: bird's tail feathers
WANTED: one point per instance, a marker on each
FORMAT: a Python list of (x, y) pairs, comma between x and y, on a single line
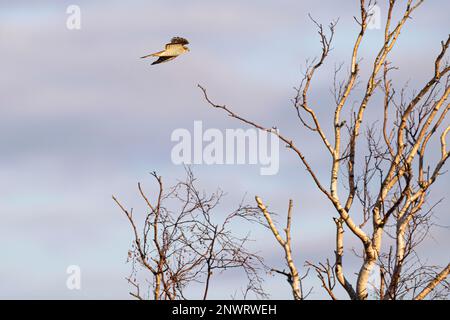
[(147, 56)]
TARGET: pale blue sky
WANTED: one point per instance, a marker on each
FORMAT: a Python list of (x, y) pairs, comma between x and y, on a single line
[(82, 118)]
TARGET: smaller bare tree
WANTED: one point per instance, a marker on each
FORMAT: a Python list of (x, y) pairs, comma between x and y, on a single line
[(180, 243)]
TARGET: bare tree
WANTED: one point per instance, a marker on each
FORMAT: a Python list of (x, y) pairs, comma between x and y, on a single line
[(180, 243), (390, 178)]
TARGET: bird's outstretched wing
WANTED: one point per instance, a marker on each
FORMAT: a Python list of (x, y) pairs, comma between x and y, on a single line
[(179, 40), (164, 59)]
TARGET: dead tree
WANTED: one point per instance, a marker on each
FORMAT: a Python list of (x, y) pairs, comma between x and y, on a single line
[(180, 242), (386, 182)]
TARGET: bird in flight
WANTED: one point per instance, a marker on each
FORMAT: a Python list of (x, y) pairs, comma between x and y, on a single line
[(176, 47)]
